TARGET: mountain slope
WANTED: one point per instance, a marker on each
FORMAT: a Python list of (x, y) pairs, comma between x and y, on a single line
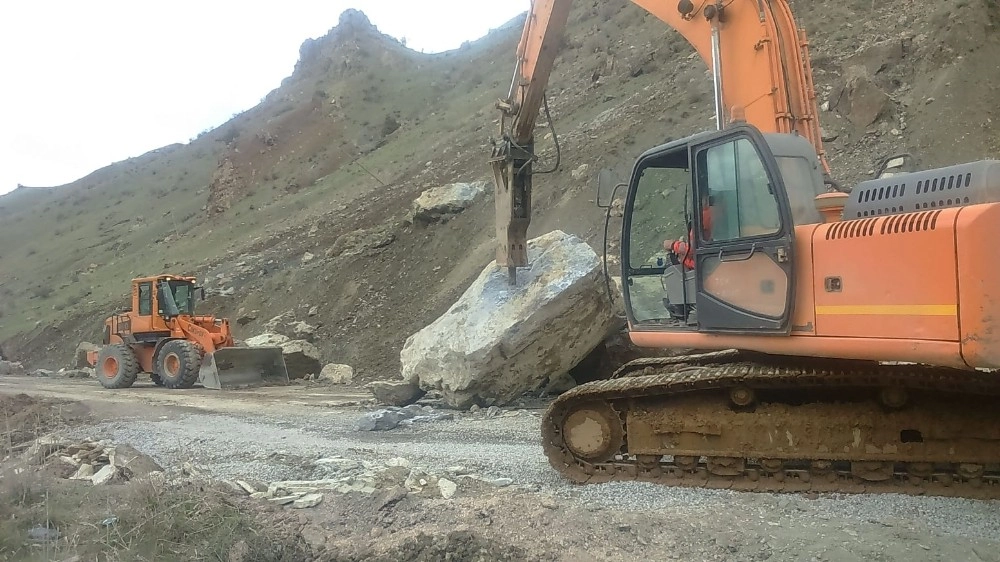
[(329, 163)]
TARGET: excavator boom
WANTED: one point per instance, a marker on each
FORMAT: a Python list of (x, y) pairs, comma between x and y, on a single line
[(761, 75)]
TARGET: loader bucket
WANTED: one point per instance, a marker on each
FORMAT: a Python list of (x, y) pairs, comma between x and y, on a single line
[(231, 367)]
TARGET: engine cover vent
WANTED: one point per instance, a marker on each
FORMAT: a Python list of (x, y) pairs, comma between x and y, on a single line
[(952, 186)]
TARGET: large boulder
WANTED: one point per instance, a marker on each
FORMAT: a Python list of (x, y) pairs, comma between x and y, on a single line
[(286, 325), (860, 99), (439, 203), (499, 341), (334, 373)]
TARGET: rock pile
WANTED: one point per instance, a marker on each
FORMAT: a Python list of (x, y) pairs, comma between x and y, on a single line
[(390, 481), (98, 462), (83, 373)]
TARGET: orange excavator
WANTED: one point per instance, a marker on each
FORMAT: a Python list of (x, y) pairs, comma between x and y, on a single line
[(848, 339)]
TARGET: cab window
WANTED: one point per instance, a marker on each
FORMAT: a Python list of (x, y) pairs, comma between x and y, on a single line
[(736, 193), (145, 299)]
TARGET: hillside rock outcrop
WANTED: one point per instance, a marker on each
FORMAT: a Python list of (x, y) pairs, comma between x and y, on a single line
[(499, 341)]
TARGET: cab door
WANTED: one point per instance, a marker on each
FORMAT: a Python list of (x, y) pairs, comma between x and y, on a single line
[(143, 307), (744, 252)]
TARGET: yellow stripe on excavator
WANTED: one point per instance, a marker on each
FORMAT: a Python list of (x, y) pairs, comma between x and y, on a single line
[(888, 310)]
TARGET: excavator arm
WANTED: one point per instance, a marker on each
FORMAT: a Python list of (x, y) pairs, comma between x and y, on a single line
[(513, 156), (761, 75)]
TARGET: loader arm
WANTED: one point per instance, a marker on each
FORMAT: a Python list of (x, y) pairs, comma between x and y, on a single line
[(761, 75), (207, 340)]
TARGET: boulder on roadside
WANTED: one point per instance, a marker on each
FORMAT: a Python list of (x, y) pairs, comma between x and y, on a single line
[(395, 393), (304, 331), (439, 203), (337, 374), (499, 341), (286, 325), (80, 356)]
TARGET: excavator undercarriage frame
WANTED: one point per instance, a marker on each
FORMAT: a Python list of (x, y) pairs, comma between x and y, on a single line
[(743, 421)]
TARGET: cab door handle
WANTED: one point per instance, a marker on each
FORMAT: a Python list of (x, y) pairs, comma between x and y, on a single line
[(753, 250)]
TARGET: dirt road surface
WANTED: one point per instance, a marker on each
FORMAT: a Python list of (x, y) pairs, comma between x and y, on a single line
[(279, 433)]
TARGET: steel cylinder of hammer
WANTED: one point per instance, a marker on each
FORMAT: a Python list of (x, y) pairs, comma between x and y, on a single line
[(512, 180)]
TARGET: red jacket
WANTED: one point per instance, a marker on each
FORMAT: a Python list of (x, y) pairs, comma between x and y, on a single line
[(683, 249)]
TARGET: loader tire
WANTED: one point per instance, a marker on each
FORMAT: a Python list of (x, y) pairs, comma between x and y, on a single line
[(117, 366), (178, 363), (157, 379)]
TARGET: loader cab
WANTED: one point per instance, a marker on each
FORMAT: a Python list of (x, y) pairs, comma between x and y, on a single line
[(707, 239), (175, 297), (156, 300)]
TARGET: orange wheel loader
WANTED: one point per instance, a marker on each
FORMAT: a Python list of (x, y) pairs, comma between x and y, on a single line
[(162, 336)]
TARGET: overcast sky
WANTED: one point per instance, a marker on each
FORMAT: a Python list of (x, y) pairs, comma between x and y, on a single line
[(85, 84)]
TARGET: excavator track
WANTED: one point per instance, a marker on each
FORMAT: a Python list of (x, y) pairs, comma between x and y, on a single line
[(741, 421)]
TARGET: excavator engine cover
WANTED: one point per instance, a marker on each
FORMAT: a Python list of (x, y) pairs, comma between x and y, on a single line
[(953, 186), (231, 367)]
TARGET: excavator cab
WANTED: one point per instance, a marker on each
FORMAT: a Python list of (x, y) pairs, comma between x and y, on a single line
[(739, 221)]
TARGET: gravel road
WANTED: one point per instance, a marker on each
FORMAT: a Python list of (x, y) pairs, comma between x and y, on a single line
[(277, 442)]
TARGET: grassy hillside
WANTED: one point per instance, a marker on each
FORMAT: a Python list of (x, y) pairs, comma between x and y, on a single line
[(330, 161)]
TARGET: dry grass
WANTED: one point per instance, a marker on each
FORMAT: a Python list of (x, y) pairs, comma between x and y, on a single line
[(136, 521)]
